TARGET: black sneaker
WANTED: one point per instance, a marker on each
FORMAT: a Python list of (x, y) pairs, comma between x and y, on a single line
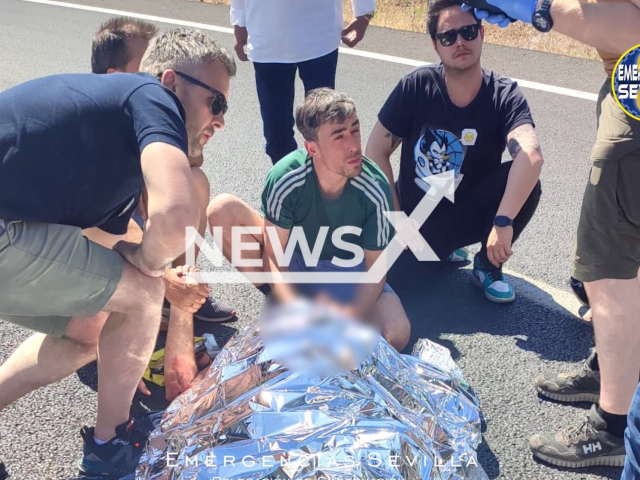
[(579, 291), (215, 311), (3, 472), (119, 456), (586, 444), (582, 385)]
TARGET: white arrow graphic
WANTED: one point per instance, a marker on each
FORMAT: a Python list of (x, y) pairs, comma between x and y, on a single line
[(443, 186)]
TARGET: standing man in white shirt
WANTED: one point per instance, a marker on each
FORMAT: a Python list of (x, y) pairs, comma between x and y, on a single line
[(294, 35)]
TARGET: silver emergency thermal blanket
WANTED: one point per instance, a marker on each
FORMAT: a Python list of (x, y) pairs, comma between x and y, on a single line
[(394, 417)]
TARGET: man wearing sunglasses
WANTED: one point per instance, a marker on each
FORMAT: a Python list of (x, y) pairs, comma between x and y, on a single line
[(118, 47), (456, 116), (76, 152)]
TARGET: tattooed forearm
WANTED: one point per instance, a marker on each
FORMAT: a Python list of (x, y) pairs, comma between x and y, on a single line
[(395, 140), (523, 138)]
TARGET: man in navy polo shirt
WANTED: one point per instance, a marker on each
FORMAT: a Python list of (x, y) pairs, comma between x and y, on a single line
[(75, 152)]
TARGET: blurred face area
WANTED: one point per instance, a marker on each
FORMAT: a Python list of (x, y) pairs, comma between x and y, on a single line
[(201, 122), (339, 147), (462, 54)]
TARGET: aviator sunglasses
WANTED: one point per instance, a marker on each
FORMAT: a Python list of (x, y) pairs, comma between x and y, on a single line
[(218, 103), (468, 32)]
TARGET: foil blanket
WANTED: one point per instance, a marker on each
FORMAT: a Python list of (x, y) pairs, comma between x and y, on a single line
[(395, 417)]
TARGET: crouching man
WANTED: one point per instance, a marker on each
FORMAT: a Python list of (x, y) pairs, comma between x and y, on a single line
[(327, 184), (83, 298)]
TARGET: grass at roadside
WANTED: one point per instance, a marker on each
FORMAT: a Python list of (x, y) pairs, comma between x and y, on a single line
[(411, 15)]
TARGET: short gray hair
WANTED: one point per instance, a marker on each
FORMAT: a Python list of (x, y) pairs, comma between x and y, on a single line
[(320, 106), (184, 49)]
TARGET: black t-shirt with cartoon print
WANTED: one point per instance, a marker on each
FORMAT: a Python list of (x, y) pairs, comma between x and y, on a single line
[(438, 136)]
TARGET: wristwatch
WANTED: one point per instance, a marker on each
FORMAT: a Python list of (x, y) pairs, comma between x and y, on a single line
[(541, 19), (502, 221)]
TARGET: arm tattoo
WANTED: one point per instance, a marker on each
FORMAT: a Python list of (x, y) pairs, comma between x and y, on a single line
[(514, 147), (522, 138), (395, 140)]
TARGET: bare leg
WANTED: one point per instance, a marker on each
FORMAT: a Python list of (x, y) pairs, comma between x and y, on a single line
[(389, 315), (616, 320), (125, 342), (125, 346), (227, 211), (179, 360), (30, 366)]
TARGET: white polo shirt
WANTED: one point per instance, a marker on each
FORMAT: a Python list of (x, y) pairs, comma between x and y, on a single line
[(291, 31)]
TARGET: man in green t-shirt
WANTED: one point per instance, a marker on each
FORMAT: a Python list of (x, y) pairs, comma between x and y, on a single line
[(329, 201)]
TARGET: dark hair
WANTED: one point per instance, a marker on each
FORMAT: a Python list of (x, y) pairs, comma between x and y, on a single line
[(321, 106), (435, 9), (109, 47)]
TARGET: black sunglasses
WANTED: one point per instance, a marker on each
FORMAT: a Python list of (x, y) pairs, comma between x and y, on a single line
[(468, 32), (218, 104)]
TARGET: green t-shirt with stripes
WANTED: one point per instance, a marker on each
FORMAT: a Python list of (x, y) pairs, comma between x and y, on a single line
[(291, 197)]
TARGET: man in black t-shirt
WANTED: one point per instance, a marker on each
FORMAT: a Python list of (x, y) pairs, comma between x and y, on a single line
[(75, 152), (457, 116)]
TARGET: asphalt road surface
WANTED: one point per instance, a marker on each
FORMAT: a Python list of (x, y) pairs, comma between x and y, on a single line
[(500, 348)]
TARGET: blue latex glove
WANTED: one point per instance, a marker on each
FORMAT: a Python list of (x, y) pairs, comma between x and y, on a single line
[(519, 9)]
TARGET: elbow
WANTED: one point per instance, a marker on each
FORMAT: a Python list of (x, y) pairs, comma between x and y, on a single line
[(171, 226), (180, 217), (370, 150), (536, 160)]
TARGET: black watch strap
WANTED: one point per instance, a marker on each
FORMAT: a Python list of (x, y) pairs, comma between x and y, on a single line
[(502, 221), (541, 19)]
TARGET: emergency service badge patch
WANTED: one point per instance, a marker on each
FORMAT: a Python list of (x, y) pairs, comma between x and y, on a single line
[(625, 82)]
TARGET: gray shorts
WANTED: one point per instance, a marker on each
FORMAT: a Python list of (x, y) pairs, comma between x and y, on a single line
[(51, 273), (341, 292)]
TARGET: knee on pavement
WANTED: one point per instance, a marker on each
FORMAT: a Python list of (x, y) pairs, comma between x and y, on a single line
[(222, 207)]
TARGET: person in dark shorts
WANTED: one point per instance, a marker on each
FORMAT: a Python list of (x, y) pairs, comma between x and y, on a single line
[(118, 47), (607, 251)]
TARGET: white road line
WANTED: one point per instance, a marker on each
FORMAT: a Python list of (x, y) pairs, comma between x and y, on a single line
[(141, 16), (541, 293), (567, 92)]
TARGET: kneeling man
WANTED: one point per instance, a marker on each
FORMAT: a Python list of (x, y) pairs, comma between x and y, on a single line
[(327, 184)]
